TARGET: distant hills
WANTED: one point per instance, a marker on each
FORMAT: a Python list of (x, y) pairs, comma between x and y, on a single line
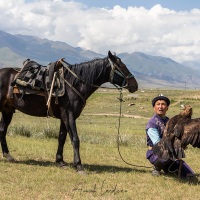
[(14, 49), (161, 72), (150, 71)]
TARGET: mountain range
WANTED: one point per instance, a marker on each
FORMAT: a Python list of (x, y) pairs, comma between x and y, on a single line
[(150, 71)]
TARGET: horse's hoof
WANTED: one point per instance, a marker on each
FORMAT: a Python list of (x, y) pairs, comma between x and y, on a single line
[(8, 157), (80, 170), (62, 164)]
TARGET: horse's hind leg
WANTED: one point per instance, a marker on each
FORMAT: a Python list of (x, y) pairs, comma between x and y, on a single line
[(4, 123)]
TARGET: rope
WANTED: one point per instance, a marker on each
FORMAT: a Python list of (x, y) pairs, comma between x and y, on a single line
[(76, 91), (118, 134), (179, 170), (169, 168), (49, 111)]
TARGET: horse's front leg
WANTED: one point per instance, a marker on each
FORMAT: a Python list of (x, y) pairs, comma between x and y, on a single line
[(76, 146), (75, 142), (4, 123), (61, 142), (69, 122)]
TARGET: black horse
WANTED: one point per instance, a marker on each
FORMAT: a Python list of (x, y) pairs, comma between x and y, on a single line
[(79, 85)]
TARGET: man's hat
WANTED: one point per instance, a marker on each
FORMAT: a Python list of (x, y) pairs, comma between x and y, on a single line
[(160, 97)]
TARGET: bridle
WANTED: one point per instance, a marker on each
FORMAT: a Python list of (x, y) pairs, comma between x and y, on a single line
[(116, 71)]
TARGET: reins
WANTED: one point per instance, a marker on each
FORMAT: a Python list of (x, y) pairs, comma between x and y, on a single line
[(118, 133)]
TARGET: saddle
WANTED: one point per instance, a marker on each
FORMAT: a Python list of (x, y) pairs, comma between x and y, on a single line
[(37, 79), (47, 81)]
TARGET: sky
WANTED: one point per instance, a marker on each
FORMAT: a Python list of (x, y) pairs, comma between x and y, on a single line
[(169, 28)]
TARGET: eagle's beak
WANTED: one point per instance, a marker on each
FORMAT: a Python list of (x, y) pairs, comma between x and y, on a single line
[(182, 107)]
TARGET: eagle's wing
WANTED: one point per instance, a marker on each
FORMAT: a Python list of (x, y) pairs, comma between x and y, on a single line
[(178, 149), (169, 129), (162, 149), (191, 133), (172, 149)]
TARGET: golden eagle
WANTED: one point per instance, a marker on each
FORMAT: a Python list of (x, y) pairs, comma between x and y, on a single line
[(180, 131)]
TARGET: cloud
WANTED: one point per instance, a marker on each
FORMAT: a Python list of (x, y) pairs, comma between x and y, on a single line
[(156, 31)]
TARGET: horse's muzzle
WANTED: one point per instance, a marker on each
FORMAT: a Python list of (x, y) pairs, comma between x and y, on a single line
[(131, 88)]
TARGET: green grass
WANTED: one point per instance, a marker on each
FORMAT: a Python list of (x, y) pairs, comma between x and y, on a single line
[(32, 142)]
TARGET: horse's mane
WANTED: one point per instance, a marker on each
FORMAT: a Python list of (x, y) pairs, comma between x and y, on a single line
[(87, 71)]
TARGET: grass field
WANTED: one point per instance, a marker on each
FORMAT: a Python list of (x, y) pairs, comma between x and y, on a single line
[(32, 142)]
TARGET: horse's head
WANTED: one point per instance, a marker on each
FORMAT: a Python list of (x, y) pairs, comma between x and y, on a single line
[(120, 75)]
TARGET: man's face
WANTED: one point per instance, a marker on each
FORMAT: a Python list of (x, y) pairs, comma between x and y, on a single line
[(160, 108)]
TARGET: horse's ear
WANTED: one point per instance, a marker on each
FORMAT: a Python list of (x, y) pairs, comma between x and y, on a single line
[(110, 55)]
